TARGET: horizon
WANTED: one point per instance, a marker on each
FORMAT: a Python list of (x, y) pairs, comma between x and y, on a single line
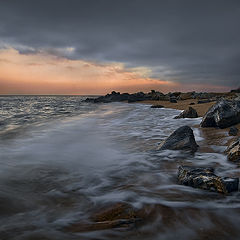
[(92, 48)]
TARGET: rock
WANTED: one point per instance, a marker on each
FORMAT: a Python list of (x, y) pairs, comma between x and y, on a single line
[(185, 96), (181, 139), (157, 106), (204, 95), (236, 90), (190, 113), (173, 99), (192, 103), (233, 151), (204, 178), (233, 131), (120, 215), (158, 96), (224, 113), (203, 101)]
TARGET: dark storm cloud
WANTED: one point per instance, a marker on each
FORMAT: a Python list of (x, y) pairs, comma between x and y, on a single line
[(189, 41)]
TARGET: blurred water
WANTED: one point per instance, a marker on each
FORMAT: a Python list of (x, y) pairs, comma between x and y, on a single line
[(67, 158)]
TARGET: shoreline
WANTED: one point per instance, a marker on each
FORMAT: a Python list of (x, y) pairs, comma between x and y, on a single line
[(212, 136)]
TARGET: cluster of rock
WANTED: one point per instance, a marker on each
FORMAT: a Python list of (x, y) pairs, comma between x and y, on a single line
[(202, 97), (135, 97), (203, 178)]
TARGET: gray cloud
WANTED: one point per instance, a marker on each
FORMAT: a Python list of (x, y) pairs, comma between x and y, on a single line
[(188, 41)]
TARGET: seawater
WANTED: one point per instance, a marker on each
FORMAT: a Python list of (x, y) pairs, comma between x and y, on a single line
[(62, 158)]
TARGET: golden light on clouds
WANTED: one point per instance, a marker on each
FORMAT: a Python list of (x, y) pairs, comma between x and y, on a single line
[(43, 73)]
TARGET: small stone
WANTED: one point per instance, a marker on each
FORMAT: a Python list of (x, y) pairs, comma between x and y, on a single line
[(233, 131), (173, 100), (157, 106), (190, 113), (203, 101)]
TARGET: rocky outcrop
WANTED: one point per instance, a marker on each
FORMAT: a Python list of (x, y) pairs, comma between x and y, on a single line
[(233, 151), (181, 139), (188, 95), (233, 131), (189, 113), (224, 113), (157, 106), (204, 178)]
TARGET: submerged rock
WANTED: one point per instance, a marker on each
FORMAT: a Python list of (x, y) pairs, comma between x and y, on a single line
[(224, 113), (233, 131), (233, 151), (120, 215), (157, 106), (189, 113), (204, 178), (181, 139)]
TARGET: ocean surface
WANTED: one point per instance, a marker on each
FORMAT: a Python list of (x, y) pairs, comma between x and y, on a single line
[(62, 159)]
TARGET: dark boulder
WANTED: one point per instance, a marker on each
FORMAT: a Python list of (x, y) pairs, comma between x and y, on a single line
[(204, 178), (181, 139), (233, 151), (157, 106), (236, 90), (224, 113), (233, 131), (190, 113)]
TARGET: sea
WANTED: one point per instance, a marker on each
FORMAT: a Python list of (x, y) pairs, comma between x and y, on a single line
[(62, 160)]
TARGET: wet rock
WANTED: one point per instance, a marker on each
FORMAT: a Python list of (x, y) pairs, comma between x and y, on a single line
[(233, 151), (233, 131), (190, 113), (203, 101), (157, 106), (120, 215), (181, 139), (224, 113), (204, 178)]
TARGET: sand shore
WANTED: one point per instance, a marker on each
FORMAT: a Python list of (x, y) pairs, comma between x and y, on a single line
[(183, 105)]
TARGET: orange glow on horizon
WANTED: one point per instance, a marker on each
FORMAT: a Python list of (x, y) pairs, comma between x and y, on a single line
[(43, 73), (46, 74)]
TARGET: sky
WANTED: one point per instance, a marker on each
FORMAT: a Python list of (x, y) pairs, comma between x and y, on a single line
[(96, 46)]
